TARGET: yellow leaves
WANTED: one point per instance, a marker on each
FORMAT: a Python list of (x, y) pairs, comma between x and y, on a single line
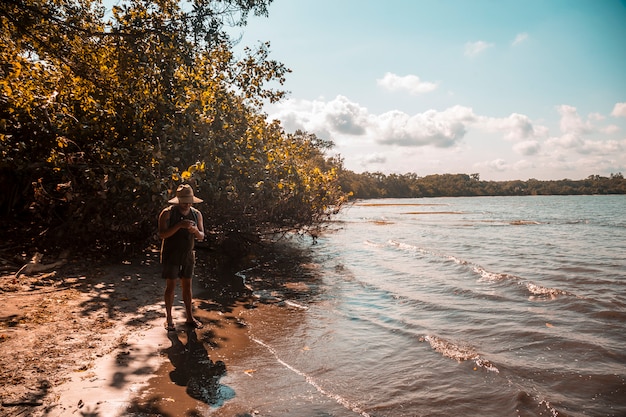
[(198, 166), (5, 88), (17, 69), (186, 174)]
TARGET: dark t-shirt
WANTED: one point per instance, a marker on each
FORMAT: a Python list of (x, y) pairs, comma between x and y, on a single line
[(178, 248)]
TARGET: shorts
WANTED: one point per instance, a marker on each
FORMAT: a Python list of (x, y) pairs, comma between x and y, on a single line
[(172, 271)]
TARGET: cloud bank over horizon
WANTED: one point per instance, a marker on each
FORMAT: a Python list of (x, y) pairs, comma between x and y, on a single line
[(531, 144)]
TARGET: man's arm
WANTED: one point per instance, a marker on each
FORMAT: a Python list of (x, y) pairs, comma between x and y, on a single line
[(164, 220), (198, 230)]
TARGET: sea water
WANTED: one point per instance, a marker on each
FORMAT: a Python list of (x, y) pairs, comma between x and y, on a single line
[(482, 306)]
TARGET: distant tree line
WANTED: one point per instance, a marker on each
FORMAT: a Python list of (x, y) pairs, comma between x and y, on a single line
[(379, 185)]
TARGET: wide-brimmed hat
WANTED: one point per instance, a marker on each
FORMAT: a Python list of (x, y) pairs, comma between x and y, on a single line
[(184, 195)]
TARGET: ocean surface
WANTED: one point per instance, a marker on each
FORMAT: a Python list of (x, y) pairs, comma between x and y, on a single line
[(482, 306)]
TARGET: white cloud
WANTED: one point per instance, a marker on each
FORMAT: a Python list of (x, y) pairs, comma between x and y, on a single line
[(440, 129), (339, 115), (410, 83), (523, 164), (345, 116), (571, 122), (575, 143), (566, 141), (599, 147), (610, 129), (374, 158), (596, 117), (514, 127), (475, 48), (386, 141), (521, 37), (527, 148), (574, 129), (498, 164), (619, 110)]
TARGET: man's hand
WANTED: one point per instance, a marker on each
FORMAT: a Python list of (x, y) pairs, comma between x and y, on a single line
[(187, 224)]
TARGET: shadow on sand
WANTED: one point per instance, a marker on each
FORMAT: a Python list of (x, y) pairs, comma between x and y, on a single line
[(194, 369)]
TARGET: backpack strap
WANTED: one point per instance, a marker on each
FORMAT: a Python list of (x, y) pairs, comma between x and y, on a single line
[(195, 215), (174, 212)]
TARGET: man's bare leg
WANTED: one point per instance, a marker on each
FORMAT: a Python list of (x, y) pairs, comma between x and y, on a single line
[(168, 297), (187, 299)]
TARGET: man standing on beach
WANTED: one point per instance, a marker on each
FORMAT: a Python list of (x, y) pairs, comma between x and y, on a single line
[(180, 225)]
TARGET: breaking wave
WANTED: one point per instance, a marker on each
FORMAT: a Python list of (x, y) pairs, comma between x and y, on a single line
[(458, 352), (485, 275)]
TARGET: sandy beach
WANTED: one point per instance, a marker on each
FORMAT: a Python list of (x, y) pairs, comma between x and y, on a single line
[(88, 339)]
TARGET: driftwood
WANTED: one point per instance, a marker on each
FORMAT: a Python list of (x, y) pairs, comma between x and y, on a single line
[(22, 404), (35, 265)]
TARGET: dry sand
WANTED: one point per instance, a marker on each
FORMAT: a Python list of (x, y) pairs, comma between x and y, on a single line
[(88, 340)]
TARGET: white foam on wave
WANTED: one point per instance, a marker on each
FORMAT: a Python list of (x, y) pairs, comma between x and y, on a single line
[(373, 244), (458, 352), (545, 291), (296, 305), (477, 269), (485, 275), (492, 276), (339, 399), (549, 407), (413, 248)]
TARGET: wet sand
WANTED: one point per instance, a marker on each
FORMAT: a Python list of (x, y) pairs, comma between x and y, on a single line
[(184, 355)]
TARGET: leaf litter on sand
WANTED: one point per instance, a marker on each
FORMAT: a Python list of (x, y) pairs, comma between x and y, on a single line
[(54, 326)]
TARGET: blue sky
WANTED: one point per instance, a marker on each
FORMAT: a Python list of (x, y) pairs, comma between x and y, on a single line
[(507, 89)]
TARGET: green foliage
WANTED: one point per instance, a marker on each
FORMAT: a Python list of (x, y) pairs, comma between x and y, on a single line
[(101, 120), (378, 185)]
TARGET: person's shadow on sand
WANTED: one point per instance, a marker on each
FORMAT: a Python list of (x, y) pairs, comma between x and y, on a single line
[(195, 370)]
